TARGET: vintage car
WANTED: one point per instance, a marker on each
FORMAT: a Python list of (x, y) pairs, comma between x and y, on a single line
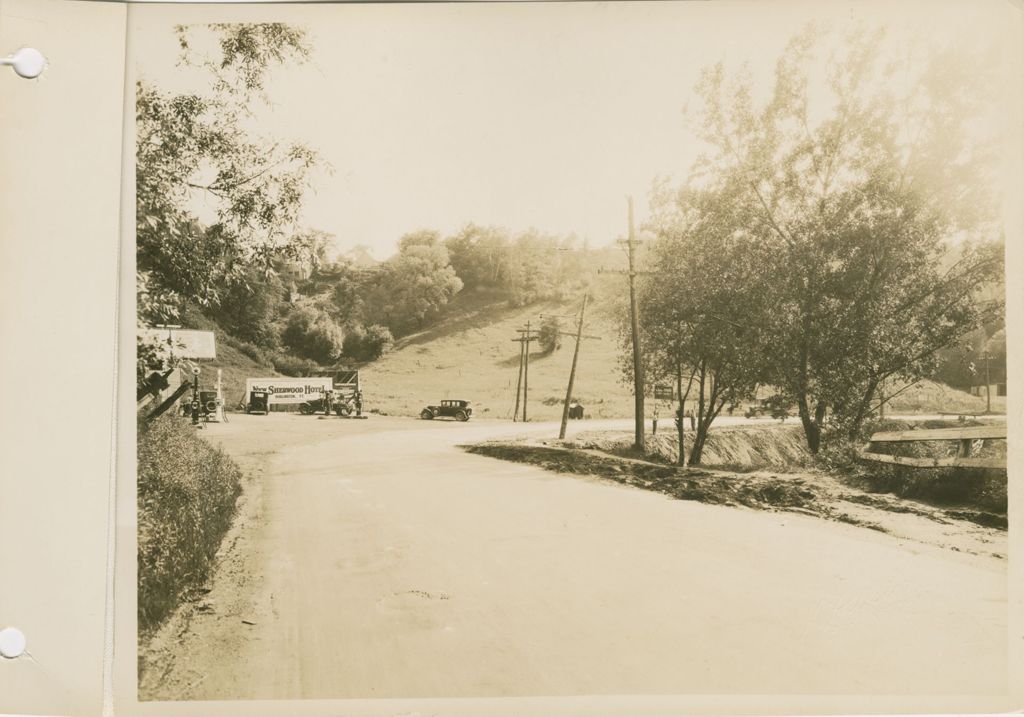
[(341, 405), (259, 402), (774, 406), (454, 408)]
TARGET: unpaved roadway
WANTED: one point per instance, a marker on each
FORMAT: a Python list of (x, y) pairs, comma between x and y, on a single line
[(377, 559)]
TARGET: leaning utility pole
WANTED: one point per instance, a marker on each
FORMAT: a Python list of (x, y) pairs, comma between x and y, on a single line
[(519, 383), (638, 367), (572, 371)]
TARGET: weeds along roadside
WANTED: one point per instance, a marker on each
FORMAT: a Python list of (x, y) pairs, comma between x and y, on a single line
[(187, 495)]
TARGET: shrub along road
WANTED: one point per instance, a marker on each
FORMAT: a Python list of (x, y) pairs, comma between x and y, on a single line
[(377, 559)]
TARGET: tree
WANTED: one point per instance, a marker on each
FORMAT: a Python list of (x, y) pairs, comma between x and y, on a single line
[(421, 237), (250, 306), (413, 285), (850, 190), (481, 256), (311, 333), (193, 145), (368, 344), (704, 308), (550, 334), (350, 287)]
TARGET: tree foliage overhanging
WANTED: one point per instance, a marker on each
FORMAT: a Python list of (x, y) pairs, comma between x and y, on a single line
[(837, 235), (247, 265)]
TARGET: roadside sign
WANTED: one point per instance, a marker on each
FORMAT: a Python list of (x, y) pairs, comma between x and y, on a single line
[(283, 389), (664, 392), (184, 343)]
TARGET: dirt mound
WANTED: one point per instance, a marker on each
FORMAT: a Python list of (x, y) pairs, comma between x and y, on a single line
[(933, 397)]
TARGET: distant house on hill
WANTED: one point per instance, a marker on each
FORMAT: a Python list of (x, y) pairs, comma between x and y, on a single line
[(993, 389), (359, 256)]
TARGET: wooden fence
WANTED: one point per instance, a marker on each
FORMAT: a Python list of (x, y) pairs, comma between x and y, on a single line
[(965, 437)]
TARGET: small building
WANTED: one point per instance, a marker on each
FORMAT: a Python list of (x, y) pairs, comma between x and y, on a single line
[(993, 389)]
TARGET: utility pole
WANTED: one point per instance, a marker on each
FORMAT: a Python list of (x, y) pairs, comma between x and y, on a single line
[(526, 368), (525, 337), (519, 383), (638, 368), (988, 387), (572, 371)]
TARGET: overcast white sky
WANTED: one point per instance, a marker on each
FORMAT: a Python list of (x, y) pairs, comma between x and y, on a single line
[(525, 115)]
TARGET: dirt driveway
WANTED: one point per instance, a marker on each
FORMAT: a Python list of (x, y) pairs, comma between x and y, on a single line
[(376, 559)]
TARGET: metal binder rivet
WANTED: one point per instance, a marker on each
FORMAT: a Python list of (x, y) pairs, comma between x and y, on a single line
[(27, 62), (12, 643)]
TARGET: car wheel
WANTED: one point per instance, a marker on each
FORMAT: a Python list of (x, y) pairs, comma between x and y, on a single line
[(342, 410), (462, 416), (426, 414)]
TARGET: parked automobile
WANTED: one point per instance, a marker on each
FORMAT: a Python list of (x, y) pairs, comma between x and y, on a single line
[(774, 406), (259, 402), (342, 406), (454, 408)]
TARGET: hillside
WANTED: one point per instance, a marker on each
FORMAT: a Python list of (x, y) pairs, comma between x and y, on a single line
[(471, 354)]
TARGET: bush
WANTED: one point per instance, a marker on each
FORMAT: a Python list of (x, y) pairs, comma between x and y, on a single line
[(368, 344), (187, 491), (311, 333), (294, 366), (550, 338)]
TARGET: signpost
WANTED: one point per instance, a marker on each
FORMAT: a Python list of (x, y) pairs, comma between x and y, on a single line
[(664, 392)]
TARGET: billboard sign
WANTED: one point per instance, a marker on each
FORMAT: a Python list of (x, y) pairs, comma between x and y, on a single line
[(285, 389), (184, 343)]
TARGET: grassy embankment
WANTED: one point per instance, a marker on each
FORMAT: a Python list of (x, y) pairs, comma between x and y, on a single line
[(187, 492), (768, 467)]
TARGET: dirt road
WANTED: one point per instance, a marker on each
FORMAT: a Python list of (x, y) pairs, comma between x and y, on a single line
[(376, 559)]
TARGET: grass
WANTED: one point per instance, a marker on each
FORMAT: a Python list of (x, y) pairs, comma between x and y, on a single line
[(470, 354), (187, 491), (681, 483), (933, 397)]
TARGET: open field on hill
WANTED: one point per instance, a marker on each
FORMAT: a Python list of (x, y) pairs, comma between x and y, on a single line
[(471, 354)]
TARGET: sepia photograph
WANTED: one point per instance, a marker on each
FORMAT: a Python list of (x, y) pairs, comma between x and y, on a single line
[(560, 349)]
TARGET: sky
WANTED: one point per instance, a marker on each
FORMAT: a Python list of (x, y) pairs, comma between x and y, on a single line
[(524, 115)]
